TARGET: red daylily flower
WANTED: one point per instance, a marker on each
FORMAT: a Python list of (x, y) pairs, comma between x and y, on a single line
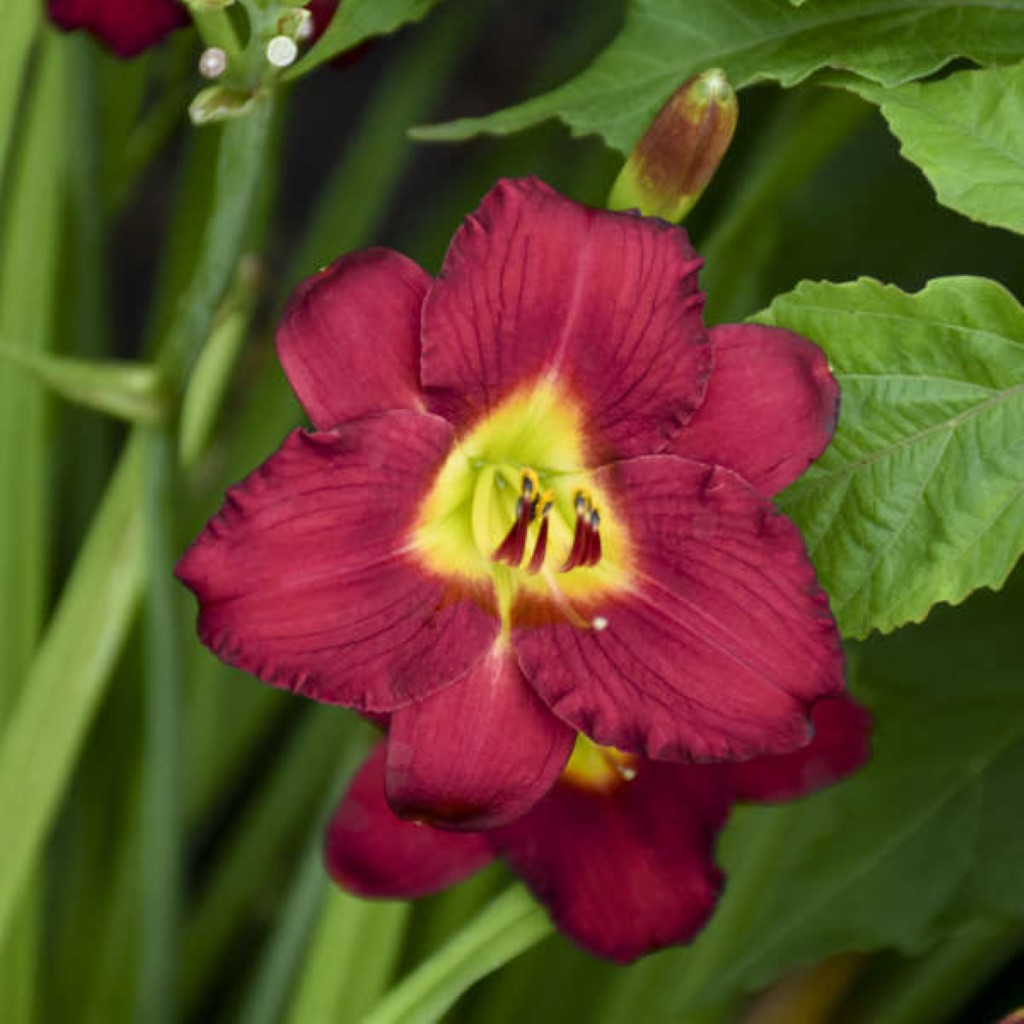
[(621, 850), (536, 503), (130, 26), (126, 26)]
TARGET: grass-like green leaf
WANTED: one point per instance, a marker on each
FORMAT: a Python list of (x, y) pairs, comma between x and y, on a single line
[(127, 390), (358, 20), (509, 926), (32, 214), (664, 42), (966, 132), (920, 497), (20, 25), (351, 958)]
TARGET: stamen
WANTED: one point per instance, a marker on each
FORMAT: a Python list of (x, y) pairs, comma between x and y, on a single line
[(593, 554), (511, 550), (586, 541), (579, 545), (540, 549)]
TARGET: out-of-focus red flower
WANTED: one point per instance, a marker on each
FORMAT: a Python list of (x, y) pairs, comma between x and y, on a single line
[(537, 502), (621, 850), (126, 26), (130, 26), (322, 11)]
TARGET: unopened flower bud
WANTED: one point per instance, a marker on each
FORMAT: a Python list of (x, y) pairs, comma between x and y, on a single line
[(213, 62), (282, 51), (680, 152), (296, 24), (220, 103)]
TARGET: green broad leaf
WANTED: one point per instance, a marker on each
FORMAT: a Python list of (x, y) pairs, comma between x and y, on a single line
[(890, 858), (129, 391), (966, 133), (920, 497), (994, 886), (65, 682), (358, 20), (664, 42), (876, 862)]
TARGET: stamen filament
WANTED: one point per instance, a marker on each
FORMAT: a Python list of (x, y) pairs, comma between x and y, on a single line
[(511, 550), (540, 549), (579, 546), (586, 541)]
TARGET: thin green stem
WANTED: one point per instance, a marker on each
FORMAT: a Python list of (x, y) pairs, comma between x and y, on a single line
[(69, 673), (308, 900), (162, 842), (240, 165), (267, 835), (215, 28), (309, 889), (510, 925)]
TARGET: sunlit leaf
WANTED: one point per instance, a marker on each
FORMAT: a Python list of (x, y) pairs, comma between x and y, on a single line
[(966, 132), (920, 497), (664, 42)]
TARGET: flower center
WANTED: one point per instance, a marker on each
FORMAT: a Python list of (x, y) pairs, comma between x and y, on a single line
[(516, 503), (535, 505)]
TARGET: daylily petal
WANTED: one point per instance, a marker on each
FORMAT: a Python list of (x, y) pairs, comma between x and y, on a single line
[(627, 871), (304, 578), (719, 642), (770, 409), (126, 26), (479, 753), (349, 339), (538, 288), (840, 746), (373, 853)]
